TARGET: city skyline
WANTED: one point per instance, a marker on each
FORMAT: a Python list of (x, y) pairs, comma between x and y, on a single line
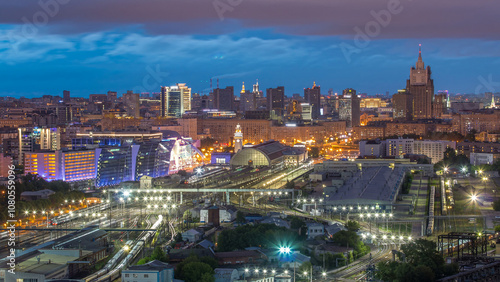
[(85, 49)]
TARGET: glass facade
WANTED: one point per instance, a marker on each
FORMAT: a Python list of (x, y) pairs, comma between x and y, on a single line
[(153, 159), (115, 165)]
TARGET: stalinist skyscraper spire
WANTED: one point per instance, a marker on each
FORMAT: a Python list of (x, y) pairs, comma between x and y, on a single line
[(421, 88)]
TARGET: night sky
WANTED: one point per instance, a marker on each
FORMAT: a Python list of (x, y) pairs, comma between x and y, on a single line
[(93, 46)]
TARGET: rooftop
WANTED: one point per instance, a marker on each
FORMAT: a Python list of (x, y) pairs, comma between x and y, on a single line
[(371, 184), (155, 265)]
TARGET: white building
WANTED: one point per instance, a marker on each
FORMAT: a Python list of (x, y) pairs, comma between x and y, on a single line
[(226, 275), (432, 149), (481, 158), (154, 271), (399, 147), (226, 214), (315, 229), (191, 235)]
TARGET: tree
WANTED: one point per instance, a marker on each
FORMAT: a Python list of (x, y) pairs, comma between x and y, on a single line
[(296, 223), (424, 273), (423, 252), (240, 217), (305, 267), (352, 225), (386, 270), (496, 206), (197, 271), (159, 254)]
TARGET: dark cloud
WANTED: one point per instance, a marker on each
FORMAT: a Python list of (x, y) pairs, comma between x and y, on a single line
[(417, 19)]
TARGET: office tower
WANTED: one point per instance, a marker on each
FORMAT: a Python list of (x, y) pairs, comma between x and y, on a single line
[(256, 91), (186, 96), (247, 99), (349, 107), (112, 95), (306, 111), (439, 104), (66, 96), (402, 105), (172, 100), (421, 88), (313, 97), (224, 98), (132, 104), (276, 100), (238, 139)]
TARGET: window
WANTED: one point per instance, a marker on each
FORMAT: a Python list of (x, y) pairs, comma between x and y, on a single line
[(146, 276), (127, 275), (134, 275)]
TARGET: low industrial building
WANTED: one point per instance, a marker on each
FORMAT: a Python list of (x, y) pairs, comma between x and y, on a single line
[(377, 185), (154, 271)]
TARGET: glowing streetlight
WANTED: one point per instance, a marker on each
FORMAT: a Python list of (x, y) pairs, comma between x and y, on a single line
[(473, 198)]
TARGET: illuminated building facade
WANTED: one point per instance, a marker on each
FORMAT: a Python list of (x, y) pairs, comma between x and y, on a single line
[(349, 108), (238, 139), (44, 164), (313, 97), (175, 100), (77, 165), (116, 165)]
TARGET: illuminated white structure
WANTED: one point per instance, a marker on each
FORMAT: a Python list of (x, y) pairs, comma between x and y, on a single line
[(238, 139)]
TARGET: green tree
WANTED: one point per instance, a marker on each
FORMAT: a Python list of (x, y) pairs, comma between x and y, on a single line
[(386, 270), (423, 252), (496, 206), (352, 225), (296, 223), (197, 271), (159, 254), (497, 228), (240, 217)]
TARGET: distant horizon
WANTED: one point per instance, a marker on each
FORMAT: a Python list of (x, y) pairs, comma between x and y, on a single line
[(93, 46)]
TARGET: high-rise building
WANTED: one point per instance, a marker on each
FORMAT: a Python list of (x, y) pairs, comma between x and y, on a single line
[(421, 88), (66, 96), (313, 97), (256, 91), (224, 98), (112, 95), (276, 100), (439, 105), (132, 104), (186, 97), (247, 99), (172, 100), (402, 105), (349, 107)]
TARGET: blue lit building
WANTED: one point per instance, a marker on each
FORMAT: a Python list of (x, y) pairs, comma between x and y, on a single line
[(116, 164)]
